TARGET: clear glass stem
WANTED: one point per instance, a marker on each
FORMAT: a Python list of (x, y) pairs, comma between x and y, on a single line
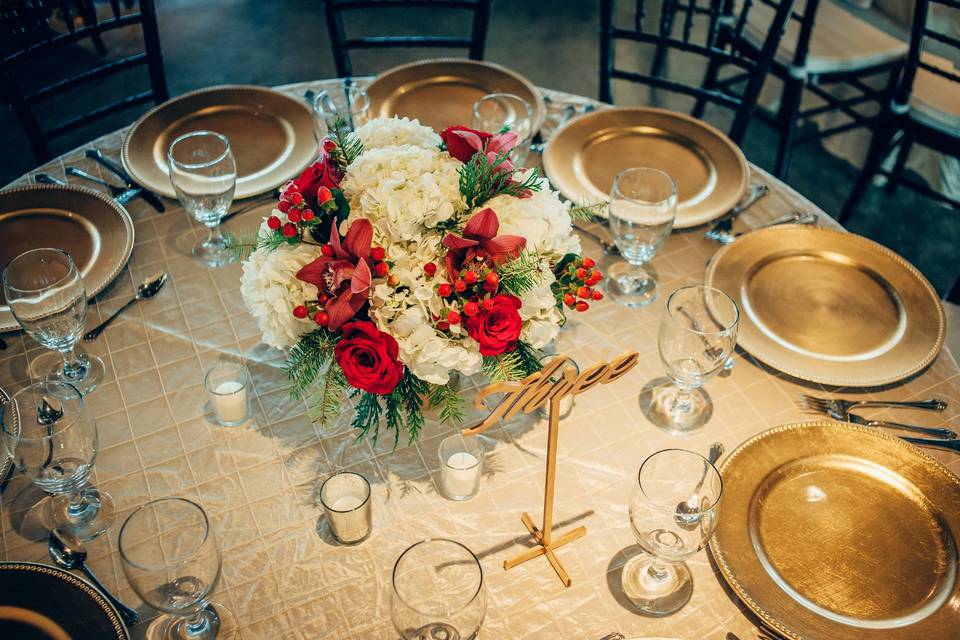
[(197, 625), (657, 571), (78, 503), (214, 237), (73, 366), (682, 402)]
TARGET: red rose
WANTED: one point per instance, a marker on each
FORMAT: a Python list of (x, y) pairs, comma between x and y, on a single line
[(462, 142), (368, 358), (322, 173), (497, 326)]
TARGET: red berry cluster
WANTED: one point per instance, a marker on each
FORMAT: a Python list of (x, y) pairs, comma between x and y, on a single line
[(471, 291), (577, 282), (299, 214)]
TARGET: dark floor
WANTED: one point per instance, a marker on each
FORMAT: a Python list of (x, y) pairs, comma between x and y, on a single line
[(553, 43)]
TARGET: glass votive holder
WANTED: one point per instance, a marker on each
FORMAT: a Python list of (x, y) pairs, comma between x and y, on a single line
[(345, 497), (461, 464), (228, 385), (566, 403), (348, 102)]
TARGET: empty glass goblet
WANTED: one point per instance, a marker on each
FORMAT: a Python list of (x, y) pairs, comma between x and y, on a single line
[(52, 438), (673, 512), (438, 592), (643, 206), (348, 103), (204, 175), (497, 112), (46, 295), (171, 559), (698, 333)]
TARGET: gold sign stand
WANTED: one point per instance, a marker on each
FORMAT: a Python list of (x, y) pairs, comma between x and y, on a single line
[(529, 395)]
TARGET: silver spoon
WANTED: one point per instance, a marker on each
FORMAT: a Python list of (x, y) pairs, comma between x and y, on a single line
[(147, 289), (688, 511), (68, 553)]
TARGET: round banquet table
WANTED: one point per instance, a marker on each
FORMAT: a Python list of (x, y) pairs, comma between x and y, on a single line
[(283, 576)]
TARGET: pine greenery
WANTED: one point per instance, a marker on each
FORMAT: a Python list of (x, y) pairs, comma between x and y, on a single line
[(521, 274), (587, 212), (349, 146), (482, 180), (515, 365)]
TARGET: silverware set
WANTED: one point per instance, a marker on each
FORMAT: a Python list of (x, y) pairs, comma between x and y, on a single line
[(840, 409), (725, 224), (794, 217)]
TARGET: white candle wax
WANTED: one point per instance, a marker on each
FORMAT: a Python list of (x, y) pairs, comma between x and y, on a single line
[(462, 472), (346, 503), (230, 401), (349, 522)]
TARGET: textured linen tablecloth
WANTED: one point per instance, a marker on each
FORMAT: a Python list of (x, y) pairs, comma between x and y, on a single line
[(283, 577)]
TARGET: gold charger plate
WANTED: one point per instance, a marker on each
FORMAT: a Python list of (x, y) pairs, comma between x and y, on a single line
[(441, 92), (93, 228), (273, 136), (586, 154), (829, 306), (830, 531)]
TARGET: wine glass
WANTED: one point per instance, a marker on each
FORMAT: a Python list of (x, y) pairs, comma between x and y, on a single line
[(438, 592), (498, 112), (349, 103), (52, 438), (643, 206), (698, 334), (171, 559), (47, 297), (673, 512), (204, 175)]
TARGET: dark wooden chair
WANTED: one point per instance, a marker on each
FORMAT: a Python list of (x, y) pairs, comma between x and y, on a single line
[(824, 45), (342, 46), (704, 32), (925, 110), (50, 30)]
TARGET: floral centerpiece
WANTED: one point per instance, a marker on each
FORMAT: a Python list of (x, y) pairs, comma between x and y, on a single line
[(403, 256)]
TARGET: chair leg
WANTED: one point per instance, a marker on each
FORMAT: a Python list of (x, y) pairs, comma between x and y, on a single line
[(787, 116), (905, 145), (875, 155), (666, 28)]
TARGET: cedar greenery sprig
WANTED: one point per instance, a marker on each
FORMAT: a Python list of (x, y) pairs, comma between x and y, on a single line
[(521, 274), (583, 212), (482, 179), (515, 365), (348, 145)]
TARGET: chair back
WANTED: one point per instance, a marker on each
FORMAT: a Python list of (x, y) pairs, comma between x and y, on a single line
[(342, 45), (706, 32), (39, 60), (925, 35)]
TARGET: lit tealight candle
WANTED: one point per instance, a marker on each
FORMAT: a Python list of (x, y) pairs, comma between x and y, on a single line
[(461, 461), (345, 497), (228, 386)]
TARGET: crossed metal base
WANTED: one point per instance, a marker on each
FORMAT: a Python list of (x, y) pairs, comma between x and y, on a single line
[(545, 547)]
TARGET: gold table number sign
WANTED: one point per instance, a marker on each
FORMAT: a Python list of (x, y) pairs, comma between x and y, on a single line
[(529, 395)]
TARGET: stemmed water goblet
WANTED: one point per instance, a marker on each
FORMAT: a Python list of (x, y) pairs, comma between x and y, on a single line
[(673, 512), (643, 207), (204, 175), (349, 104), (438, 592), (171, 559), (52, 438), (698, 333), (47, 297), (498, 112)]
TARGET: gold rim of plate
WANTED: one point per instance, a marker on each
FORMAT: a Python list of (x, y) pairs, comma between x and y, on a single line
[(89, 225), (831, 531), (829, 306), (273, 136), (77, 583), (395, 91), (586, 153)]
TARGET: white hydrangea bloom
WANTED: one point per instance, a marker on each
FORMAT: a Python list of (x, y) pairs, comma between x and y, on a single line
[(402, 190), (271, 290), (429, 355), (395, 132), (543, 219)]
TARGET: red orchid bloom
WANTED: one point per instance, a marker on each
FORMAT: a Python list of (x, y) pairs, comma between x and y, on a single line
[(480, 241), (469, 143), (344, 276)]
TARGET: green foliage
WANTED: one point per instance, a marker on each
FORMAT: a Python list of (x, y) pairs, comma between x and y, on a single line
[(312, 371), (481, 180), (587, 212), (349, 146), (521, 274), (448, 402), (515, 365)]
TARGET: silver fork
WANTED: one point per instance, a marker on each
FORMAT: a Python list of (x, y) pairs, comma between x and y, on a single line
[(794, 217), (725, 224), (823, 405), (929, 431), (608, 248)]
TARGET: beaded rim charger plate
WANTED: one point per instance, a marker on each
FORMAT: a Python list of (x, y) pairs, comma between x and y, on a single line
[(273, 136), (586, 154), (52, 602), (829, 306), (90, 226), (441, 92), (830, 531)]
